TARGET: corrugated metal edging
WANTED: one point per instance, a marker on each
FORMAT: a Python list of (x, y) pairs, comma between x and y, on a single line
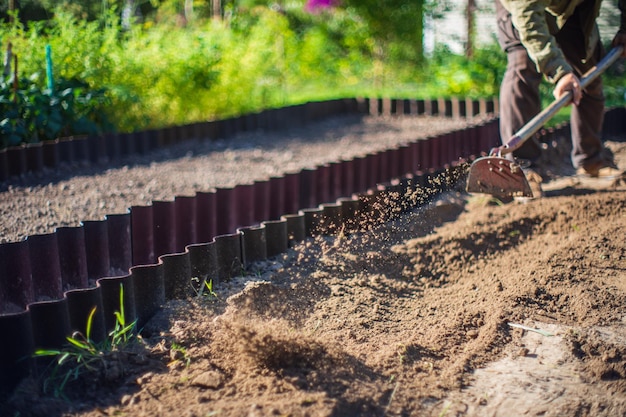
[(110, 148), (87, 265), (50, 283)]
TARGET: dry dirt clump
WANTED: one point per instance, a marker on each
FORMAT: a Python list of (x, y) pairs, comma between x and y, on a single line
[(465, 307)]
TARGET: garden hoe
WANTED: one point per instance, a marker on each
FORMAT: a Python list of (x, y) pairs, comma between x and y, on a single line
[(502, 177)]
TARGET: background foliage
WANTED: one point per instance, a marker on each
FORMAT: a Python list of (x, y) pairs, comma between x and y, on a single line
[(153, 63)]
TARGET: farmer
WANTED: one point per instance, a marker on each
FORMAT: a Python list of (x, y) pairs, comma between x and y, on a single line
[(558, 40)]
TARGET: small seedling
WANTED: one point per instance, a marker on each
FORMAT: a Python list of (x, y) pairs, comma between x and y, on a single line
[(402, 350), (122, 332), (81, 349), (496, 201), (487, 200), (514, 233), (206, 288), (179, 354), (393, 393), (445, 410), (209, 286), (82, 355)]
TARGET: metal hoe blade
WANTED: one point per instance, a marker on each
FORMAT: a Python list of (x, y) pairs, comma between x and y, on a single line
[(501, 177), (497, 176)]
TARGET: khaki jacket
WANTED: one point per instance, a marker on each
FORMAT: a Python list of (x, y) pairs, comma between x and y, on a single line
[(537, 21)]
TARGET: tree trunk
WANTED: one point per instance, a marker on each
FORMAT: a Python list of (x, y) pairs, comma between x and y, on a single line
[(11, 10), (188, 10), (469, 47), (216, 6), (128, 13)]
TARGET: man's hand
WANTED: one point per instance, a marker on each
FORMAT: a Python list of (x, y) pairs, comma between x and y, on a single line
[(620, 39), (569, 82)]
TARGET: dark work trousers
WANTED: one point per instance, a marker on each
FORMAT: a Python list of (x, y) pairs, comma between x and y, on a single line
[(519, 91)]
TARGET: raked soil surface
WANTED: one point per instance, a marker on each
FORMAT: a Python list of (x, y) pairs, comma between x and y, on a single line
[(468, 306)]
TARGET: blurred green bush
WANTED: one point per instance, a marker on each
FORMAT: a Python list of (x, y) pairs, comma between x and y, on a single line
[(161, 73), (29, 114)]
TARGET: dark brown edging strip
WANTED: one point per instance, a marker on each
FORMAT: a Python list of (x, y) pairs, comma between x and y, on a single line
[(154, 254)]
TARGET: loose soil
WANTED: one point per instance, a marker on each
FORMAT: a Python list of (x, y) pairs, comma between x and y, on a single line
[(467, 306)]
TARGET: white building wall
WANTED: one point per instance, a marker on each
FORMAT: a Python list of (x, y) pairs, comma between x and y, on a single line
[(451, 29)]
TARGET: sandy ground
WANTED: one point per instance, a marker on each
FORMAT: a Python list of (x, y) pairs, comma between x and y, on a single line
[(469, 306)]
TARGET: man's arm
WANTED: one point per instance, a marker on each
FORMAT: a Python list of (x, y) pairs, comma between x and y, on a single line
[(529, 17)]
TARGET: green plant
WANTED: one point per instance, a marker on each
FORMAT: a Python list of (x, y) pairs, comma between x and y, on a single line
[(263, 55), (179, 354), (203, 287), (29, 113), (514, 233), (122, 333), (82, 355)]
